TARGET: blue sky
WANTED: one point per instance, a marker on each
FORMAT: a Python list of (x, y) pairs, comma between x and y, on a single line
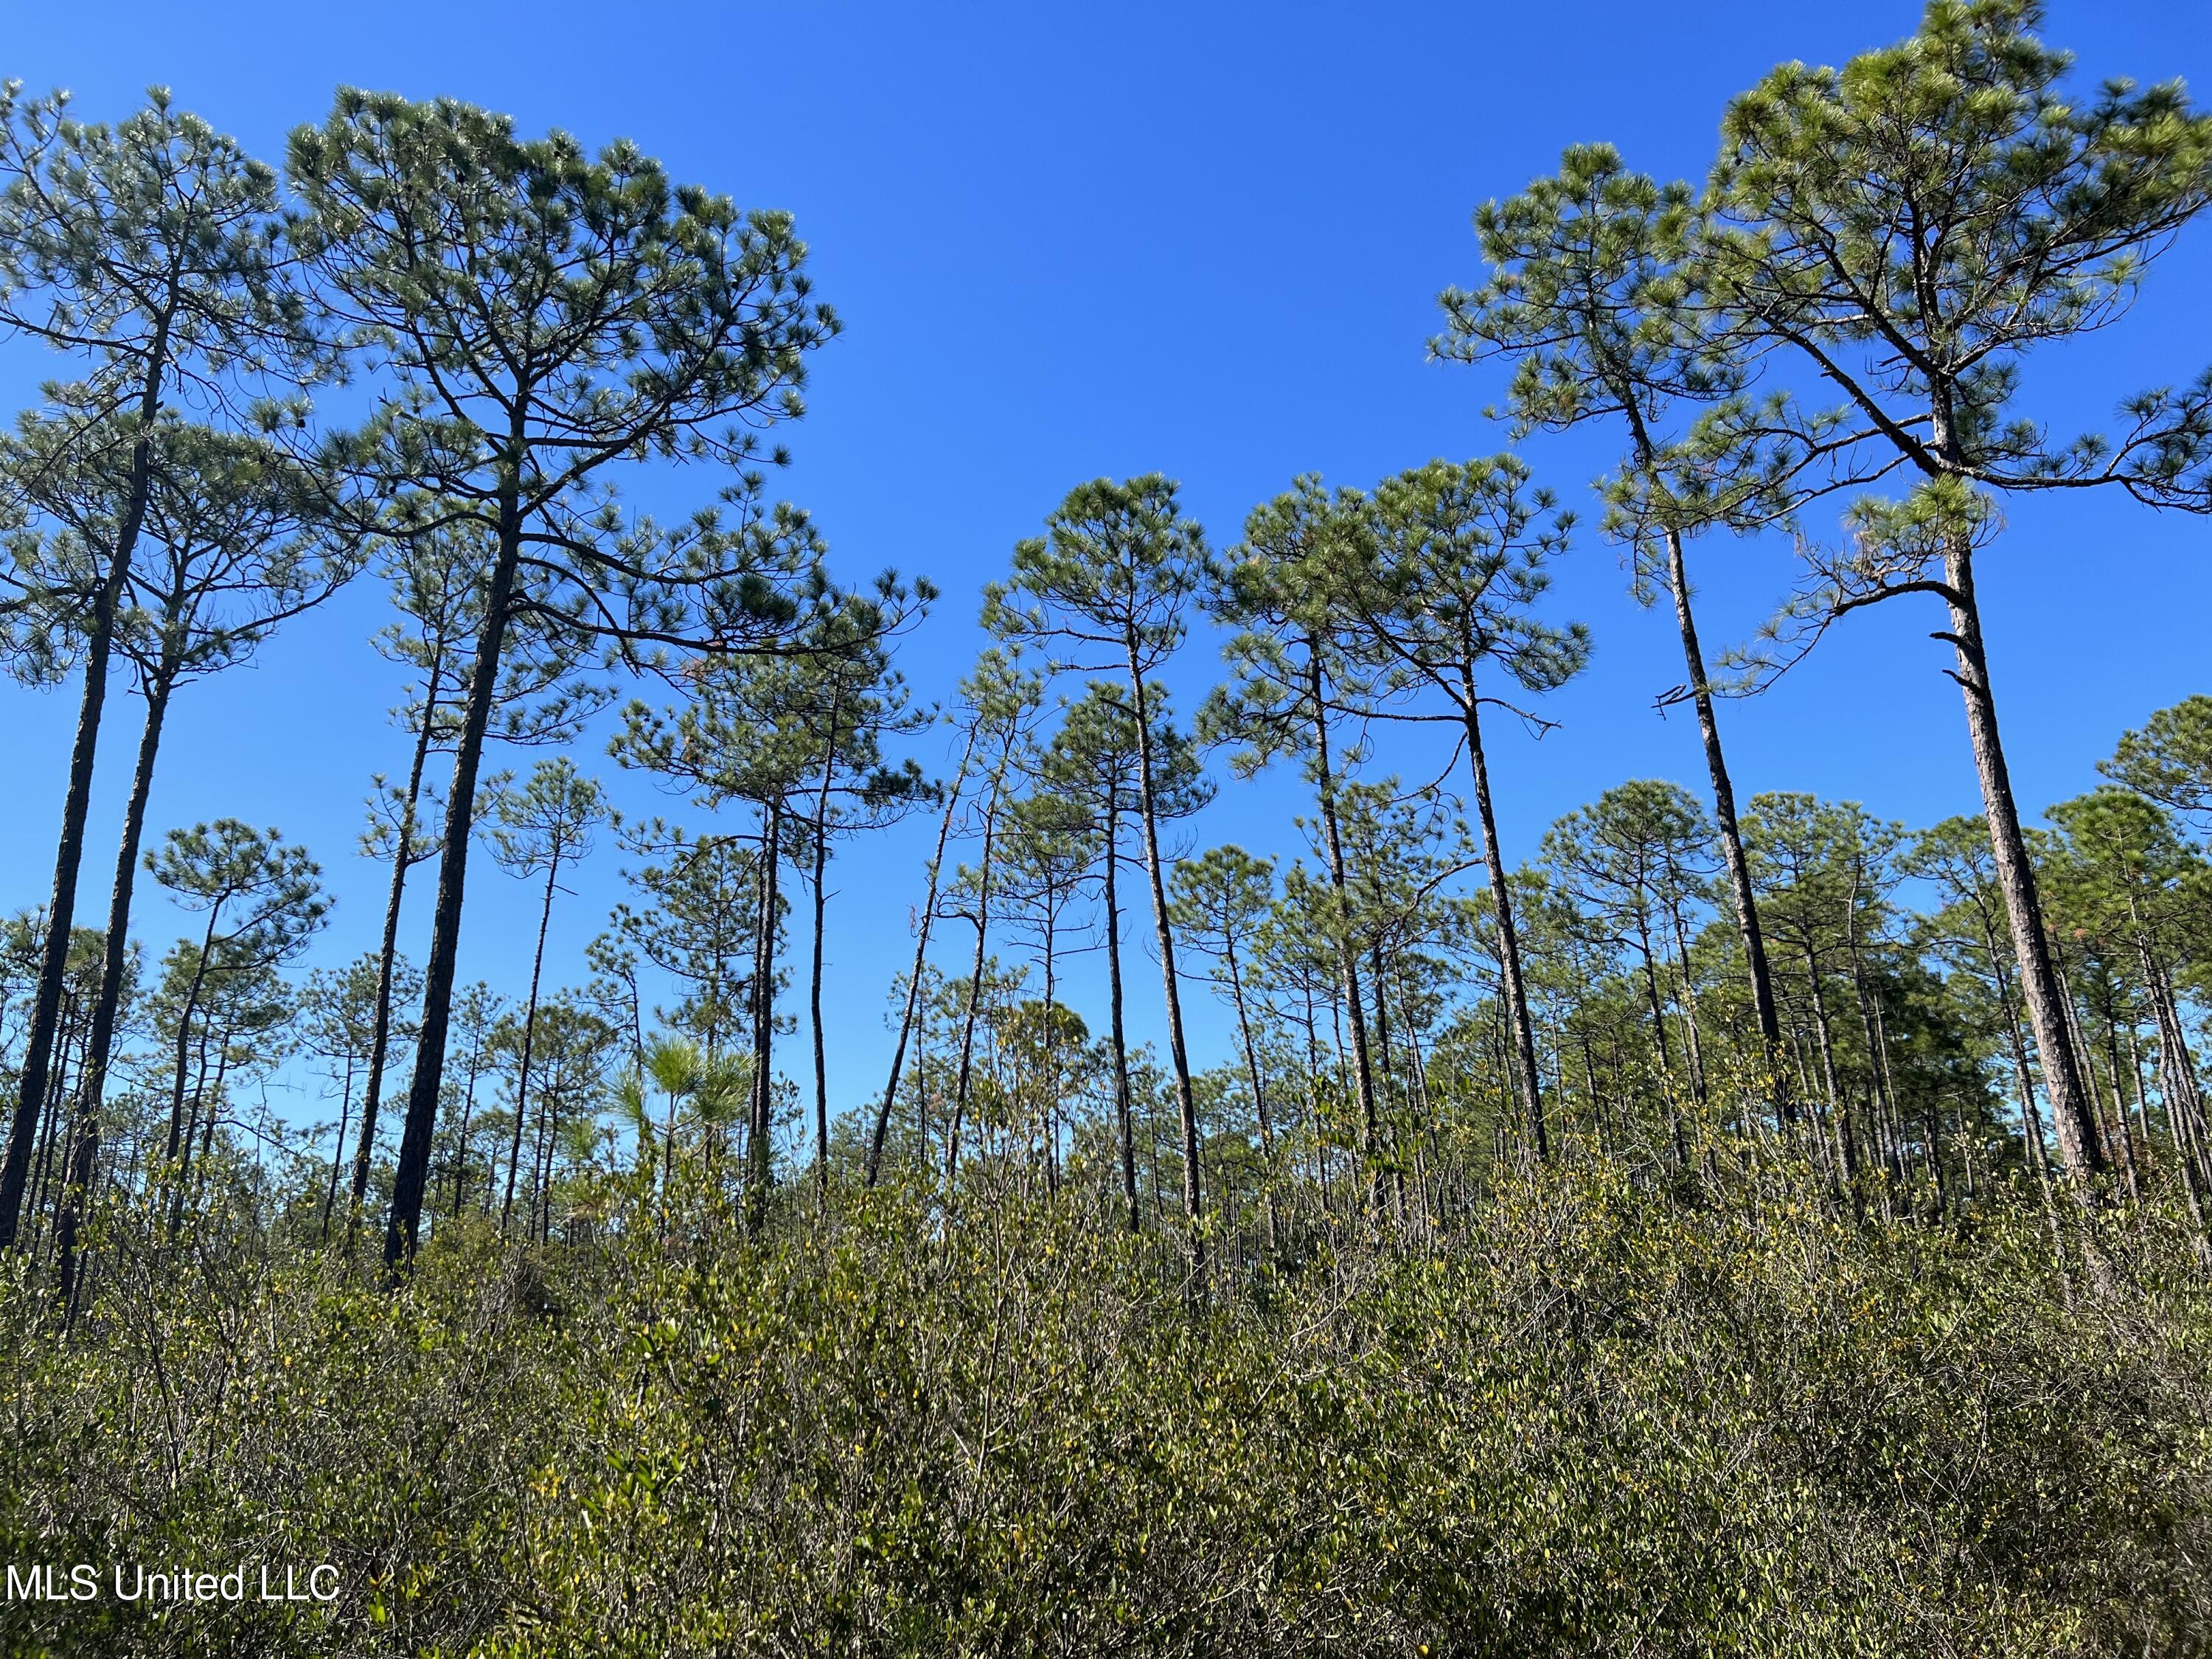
[(1204, 239)]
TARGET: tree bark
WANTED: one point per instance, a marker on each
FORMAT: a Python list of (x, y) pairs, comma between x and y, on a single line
[(522, 1075), (758, 1158), (388, 950), (2015, 873), (1363, 1069), (1748, 930), (1509, 943), (1115, 1008), (411, 1175), (1259, 1090), (77, 801), (99, 1044), (821, 910), (1194, 1204), (965, 1079), (914, 980)]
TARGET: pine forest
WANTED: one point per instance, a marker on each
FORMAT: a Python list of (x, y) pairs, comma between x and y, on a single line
[(1059, 1105)]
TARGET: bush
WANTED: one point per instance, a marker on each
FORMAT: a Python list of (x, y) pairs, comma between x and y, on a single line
[(1599, 1420)]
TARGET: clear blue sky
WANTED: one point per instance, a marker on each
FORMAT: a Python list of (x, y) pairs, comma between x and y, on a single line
[(1200, 238)]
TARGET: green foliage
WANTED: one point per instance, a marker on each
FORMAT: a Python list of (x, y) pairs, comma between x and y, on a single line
[(1599, 1422)]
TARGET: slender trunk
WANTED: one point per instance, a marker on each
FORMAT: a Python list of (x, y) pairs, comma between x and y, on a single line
[(1694, 1046), (387, 955), (1390, 1078), (1659, 1037), (2015, 872), (1846, 1148), (1259, 1090), (77, 802), (99, 1044), (914, 980), (1363, 1070), (337, 1152), (965, 1079), (529, 1047), (1724, 818), (540, 1223), (1051, 1102), (1193, 1205), (1115, 1008), (1884, 1109), (461, 1140), (411, 1175), (1508, 944), (1745, 905), (758, 1158), (179, 1140), (814, 993)]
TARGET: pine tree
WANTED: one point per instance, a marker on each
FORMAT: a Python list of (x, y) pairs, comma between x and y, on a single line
[(145, 250), (1593, 302), (1112, 581), (1910, 226), (1456, 565), (546, 314)]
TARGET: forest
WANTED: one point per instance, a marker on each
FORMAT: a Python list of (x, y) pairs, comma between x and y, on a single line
[(1731, 1223)]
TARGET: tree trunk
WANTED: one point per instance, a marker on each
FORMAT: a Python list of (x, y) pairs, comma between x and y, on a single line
[(1347, 959), (1659, 1038), (1193, 1205), (1748, 930), (337, 1152), (1259, 1090), (77, 801), (522, 1075), (412, 1174), (93, 1091), (814, 993), (965, 1079), (1114, 1007), (1508, 944), (388, 950), (1846, 1148), (914, 980), (2015, 873), (758, 1158)]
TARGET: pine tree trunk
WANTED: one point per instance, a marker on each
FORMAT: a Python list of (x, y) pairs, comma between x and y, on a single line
[(1509, 945), (1259, 1090), (337, 1152), (914, 980), (98, 1045), (411, 1175), (522, 1075), (1748, 930), (759, 1163), (965, 1079), (387, 954), (2015, 873), (77, 802), (1193, 1205), (814, 992), (1363, 1069), (1115, 1009), (1839, 1111)]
